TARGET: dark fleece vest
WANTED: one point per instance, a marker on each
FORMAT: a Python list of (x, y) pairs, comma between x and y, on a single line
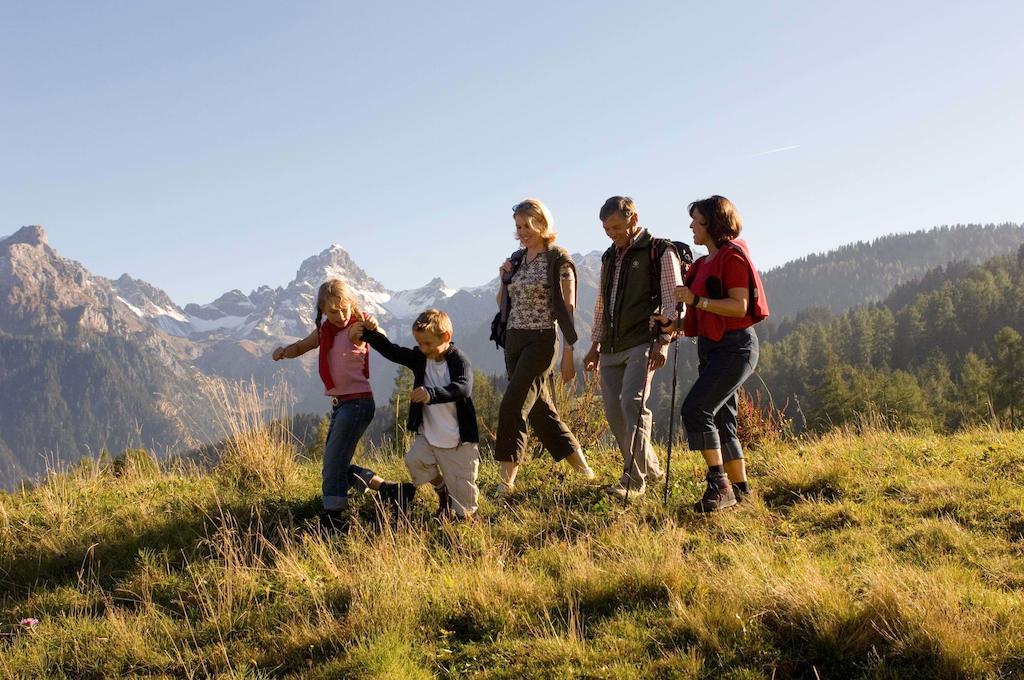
[(628, 323)]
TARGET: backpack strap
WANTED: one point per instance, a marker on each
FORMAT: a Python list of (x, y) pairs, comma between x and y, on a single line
[(752, 292), (657, 251), (516, 259)]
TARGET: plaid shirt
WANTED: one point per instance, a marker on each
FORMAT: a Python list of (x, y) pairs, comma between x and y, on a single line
[(670, 278)]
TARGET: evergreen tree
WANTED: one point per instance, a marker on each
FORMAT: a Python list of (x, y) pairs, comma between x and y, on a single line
[(1008, 387)]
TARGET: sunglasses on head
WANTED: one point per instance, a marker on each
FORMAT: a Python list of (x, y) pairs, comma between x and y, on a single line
[(524, 205)]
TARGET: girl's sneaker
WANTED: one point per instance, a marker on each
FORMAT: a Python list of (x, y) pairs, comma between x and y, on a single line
[(397, 495), (335, 521)]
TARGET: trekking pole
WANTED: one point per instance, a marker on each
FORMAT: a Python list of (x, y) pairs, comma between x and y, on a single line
[(639, 418), (672, 400)]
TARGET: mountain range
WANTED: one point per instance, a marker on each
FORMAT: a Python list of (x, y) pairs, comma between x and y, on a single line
[(88, 362)]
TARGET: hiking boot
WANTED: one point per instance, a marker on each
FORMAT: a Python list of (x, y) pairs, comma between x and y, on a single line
[(335, 521), (718, 495), (741, 495), (397, 496)]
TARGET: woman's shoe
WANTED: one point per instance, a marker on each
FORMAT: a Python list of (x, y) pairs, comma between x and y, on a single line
[(718, 495)]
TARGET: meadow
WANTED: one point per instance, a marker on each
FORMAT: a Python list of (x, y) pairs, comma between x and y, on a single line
[(865, 552)]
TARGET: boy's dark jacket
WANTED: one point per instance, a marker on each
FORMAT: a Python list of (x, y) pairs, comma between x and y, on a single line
[(458, 390)]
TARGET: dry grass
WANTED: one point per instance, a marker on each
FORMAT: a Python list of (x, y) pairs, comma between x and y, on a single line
[(875, 554)]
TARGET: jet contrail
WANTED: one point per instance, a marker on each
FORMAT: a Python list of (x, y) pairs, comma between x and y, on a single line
[(785, 148)]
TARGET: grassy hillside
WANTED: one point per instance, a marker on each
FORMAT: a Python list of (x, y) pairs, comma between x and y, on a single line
[(876, 554)]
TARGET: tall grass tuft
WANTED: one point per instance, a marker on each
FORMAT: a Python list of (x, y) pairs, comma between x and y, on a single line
[(257, 452)]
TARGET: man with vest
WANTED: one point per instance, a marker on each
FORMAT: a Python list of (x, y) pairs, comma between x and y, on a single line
[(639, 275)]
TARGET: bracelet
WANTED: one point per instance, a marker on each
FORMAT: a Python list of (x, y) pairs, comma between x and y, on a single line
[(704, 302), (696, 301)]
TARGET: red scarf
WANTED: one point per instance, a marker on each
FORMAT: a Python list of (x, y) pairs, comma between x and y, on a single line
[(327, 333)]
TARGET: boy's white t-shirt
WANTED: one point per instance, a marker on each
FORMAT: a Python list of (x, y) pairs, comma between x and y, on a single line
[(440, 421)]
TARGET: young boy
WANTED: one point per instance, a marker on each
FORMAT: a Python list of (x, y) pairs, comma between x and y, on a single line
[(441, 412)]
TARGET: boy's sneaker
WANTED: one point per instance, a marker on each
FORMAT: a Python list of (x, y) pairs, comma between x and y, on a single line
[(335, 521), (444, 503), (718, 494), (397, 495)]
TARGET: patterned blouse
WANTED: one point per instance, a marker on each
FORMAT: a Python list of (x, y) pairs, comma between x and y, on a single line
[(530, 296)]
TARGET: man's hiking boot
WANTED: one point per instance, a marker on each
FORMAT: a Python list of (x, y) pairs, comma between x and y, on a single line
[(635, 491), (397, 496), (742, 495), (335, 521), (718, 495)]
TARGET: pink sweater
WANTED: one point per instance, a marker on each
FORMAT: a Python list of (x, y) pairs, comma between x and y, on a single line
[(349, 368)]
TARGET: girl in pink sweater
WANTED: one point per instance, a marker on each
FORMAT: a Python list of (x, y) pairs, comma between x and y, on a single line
[(344, 367)]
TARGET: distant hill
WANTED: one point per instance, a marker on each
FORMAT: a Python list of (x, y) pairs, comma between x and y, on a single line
[(868, 271), (944, 351)]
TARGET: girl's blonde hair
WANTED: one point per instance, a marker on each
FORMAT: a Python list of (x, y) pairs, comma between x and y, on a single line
[(335, 289), (537, 216)]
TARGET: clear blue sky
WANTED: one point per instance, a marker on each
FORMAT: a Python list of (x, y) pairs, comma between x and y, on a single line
[(208, 146)]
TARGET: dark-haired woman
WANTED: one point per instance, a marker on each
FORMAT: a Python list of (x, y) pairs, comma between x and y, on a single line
[(724, 299)]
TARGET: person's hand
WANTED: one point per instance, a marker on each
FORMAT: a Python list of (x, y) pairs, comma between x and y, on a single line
[(590, 361), (505, 268), (658, 357), (370, 323), (684, 295), (277, 354), (664, 323), (419, 396), (355, 332), (568, 367)]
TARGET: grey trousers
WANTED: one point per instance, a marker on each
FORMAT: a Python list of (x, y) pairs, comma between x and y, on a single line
[(625, 384)]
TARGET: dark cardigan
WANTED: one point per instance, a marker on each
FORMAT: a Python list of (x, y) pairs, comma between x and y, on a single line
[(458, 390)]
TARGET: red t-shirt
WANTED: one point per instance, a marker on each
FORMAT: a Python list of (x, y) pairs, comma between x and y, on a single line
[(735, 274)]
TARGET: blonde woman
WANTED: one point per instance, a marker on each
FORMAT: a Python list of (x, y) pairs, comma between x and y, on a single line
[(536, 294)]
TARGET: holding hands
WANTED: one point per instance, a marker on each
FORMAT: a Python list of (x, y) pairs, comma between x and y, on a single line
[(278, 354), (355, 331)]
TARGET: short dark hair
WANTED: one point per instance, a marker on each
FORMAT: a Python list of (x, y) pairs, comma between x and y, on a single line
[(623, 205), (722, 217)]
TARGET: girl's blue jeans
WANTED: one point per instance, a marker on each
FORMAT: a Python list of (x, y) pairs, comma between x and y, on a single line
[(709, 410), (348, 423)]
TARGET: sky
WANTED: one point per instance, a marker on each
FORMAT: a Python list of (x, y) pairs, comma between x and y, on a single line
[(205, 147)]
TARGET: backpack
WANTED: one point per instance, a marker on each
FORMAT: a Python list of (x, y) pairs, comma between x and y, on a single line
[(657, 250)]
